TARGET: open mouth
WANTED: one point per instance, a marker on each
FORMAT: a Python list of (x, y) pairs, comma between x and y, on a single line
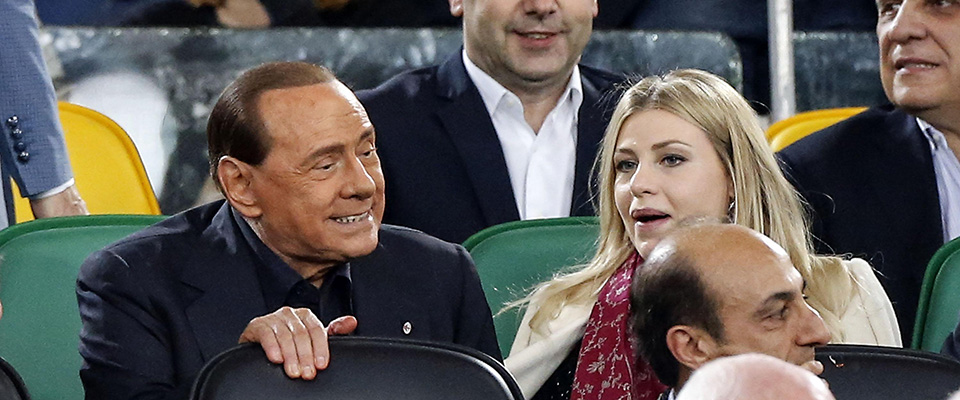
[(651, 218), (648, 215), (349, 219)]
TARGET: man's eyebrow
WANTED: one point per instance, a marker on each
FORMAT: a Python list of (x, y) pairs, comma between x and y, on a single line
[(318, 153), (367, 134), (772, 301)]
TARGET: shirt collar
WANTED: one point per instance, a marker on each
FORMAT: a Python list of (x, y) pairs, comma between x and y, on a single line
[(934, 137), (277, 278), (492, 92)]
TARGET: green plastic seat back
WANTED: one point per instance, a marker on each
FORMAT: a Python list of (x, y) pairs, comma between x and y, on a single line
[(939, 308), (39, 261), (513, 257)]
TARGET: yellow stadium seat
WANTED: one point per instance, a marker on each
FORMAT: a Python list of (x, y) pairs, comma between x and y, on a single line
[(784, 133), (106, 166)]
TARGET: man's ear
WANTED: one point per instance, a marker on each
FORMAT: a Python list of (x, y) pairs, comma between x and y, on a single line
[(456, 8), (692, 347), (596, 8), (236, 178)]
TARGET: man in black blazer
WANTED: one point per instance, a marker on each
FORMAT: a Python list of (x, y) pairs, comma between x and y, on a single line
[(502, 132), (878, 183), (296, 252)]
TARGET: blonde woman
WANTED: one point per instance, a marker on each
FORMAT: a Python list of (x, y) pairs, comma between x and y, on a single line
[(678, 146)]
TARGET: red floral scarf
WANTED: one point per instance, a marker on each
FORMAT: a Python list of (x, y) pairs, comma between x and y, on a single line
[(605, 368)]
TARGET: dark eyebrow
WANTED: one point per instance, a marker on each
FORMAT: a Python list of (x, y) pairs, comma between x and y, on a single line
[(772, 301), (367, 134), (666, 143)]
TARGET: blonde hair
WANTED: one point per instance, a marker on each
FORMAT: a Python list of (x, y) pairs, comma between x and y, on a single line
[(764, 200)]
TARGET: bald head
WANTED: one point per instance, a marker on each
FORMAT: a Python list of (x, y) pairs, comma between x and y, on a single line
[(712, 290), (717, 250), (753, 377)]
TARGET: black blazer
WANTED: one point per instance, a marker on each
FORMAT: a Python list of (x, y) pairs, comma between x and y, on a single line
[(159, 304), (871, 185), (445, 170)]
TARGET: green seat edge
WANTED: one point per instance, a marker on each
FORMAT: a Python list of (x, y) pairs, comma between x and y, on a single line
[(17, 230), (926, 289), (485, 234)]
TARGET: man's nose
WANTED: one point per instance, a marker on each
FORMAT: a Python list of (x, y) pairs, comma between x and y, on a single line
[(540, 7), (359, 181), (814, 331), (907, 24)]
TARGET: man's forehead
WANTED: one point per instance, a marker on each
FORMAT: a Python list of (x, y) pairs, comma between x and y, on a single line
[(753, 285), (325, 111)]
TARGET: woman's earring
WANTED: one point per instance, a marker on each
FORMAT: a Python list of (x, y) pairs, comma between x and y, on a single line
[(732, 211)]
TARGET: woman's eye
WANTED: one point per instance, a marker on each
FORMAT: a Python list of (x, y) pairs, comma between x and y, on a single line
[(626, 165), (672, 160)]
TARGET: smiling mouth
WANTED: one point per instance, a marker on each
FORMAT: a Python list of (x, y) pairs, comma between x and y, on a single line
[(900, 65), (536, 35), (352, 218)]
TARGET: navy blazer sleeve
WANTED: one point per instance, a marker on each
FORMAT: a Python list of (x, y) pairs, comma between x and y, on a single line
[(475, 326), (32, 149), (123, 341)]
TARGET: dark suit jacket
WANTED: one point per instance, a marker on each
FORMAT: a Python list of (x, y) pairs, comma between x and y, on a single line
[(159, 304), (871, 185), (441, 157)]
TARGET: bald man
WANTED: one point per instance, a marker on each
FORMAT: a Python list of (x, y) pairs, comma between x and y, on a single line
[(714, 290), (754, 377)]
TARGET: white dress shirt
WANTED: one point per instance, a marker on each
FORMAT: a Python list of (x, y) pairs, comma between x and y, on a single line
[(540, 164), (947, 169)]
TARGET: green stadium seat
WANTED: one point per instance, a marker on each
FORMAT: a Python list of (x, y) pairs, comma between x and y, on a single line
[(39, 261), (513, 257), (939, 308)]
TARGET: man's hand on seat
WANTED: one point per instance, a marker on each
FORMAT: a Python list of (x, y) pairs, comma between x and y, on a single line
[(296, 338)]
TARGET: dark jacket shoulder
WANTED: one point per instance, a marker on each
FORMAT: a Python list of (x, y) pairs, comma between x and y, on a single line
[(845, 135)]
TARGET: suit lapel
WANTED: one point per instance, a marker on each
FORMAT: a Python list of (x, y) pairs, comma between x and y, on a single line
[(908, 191), (382, 301), (229, 293), (590, 127), (469, 127)]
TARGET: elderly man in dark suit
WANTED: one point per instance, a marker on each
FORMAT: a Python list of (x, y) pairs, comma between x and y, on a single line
[(296, 252), (506, 130), (32, 150), (885, 184)]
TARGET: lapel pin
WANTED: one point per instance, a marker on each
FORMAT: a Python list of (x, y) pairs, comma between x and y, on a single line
[(407, 327)]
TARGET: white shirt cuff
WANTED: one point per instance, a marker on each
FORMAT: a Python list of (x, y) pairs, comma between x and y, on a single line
[(51, 192)]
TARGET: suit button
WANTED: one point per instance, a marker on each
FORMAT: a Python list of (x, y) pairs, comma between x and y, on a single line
[(16, 133), (23, 157), (19, 146), (13, 121)]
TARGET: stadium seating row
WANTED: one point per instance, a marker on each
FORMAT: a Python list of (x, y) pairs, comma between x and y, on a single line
[(41, 258)]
